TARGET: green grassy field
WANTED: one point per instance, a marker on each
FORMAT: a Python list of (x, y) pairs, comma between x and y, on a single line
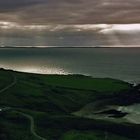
[(51, 99), (91, 135), (85, 83)]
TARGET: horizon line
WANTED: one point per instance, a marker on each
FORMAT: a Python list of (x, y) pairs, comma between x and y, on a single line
[(95, 46)]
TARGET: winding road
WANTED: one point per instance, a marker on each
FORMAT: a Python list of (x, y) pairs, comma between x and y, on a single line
[(32, 125)]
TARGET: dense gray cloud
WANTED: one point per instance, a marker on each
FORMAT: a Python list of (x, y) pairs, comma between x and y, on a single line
[(70, 11), (8, 5)]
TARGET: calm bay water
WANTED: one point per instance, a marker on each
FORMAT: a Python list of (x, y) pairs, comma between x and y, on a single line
[(120, 63)]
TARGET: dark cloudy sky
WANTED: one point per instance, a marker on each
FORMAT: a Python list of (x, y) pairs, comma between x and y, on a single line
[(70, 11), (60, 22)]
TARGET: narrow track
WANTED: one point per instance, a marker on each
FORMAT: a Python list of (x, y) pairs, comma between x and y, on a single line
[(32, 125), (10, 85)]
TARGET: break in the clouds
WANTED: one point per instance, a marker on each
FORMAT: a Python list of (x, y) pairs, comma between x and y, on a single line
[(12, 33), (70, 11)]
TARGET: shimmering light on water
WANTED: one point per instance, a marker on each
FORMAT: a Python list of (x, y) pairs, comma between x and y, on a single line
[(133, 111), (36, 69), (43, 71)]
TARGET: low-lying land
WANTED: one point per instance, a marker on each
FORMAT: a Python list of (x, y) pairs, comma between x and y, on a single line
[(44, 107)]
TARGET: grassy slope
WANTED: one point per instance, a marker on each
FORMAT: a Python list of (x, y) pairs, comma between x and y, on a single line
[(5, 78), (51, 99)]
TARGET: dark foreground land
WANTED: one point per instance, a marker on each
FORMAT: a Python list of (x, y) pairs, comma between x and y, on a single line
[(44, 107)]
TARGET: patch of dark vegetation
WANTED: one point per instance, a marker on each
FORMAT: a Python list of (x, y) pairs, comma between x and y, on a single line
[(113, 113)]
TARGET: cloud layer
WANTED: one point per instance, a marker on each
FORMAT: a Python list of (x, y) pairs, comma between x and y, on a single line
[(69, 22), (70, 11), (12, 33)]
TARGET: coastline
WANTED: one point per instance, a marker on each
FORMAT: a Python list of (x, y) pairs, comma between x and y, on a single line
[(133, 84)]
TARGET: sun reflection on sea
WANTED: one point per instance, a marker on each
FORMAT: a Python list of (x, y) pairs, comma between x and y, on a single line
[(45, 70), (40, 70)]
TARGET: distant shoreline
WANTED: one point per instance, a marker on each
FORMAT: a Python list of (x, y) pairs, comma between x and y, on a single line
[(98, 62)]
